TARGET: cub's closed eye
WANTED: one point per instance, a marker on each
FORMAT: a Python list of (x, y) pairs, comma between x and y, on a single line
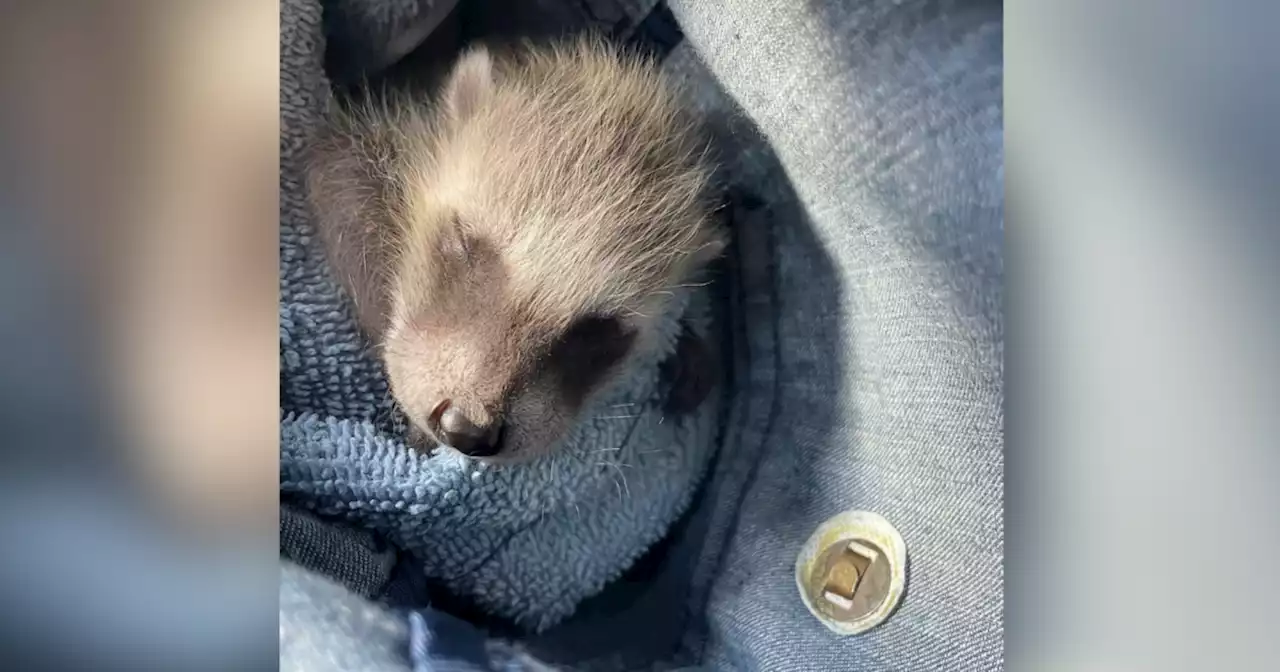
[(455, 244), (598, 341), (590, 348)]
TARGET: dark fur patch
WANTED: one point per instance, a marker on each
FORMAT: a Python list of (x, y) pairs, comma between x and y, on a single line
[(586, 353), (691, 373)]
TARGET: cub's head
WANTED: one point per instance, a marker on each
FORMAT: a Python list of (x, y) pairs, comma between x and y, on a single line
[(535, 223)]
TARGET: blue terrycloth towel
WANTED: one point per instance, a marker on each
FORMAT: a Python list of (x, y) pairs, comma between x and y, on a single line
[(526, 542)]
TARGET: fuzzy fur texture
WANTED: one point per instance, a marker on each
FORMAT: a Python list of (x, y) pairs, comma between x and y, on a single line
[(510, 245)]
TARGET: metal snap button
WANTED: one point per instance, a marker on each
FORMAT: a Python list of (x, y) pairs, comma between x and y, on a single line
[(852, 572)]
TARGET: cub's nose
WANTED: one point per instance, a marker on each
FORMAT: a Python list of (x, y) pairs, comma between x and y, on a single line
[(465, 436)]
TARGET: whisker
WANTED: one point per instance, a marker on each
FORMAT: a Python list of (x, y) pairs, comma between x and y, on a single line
[(618, 486), (623, 475)]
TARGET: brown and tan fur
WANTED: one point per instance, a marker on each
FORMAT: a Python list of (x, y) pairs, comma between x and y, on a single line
[(510, 245)]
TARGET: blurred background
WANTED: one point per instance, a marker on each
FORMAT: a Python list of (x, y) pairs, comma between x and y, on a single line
[(138, 209), (138, 258), (1143, 435)]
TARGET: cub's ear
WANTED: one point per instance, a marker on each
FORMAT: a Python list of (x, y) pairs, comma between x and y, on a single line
[(350, 201), (470, 84)]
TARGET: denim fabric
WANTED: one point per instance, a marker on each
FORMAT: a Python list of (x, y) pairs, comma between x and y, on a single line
[(325, 626), (874, 312)]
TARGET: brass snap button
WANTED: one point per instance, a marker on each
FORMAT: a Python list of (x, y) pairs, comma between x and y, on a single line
[(852, 572)]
